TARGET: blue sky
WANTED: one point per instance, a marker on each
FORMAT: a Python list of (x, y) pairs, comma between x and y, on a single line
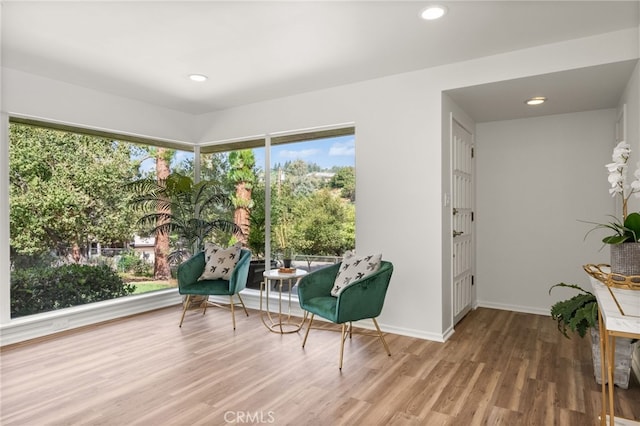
[(338, 151)]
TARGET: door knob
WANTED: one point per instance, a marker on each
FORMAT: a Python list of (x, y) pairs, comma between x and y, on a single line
[(457, 233)]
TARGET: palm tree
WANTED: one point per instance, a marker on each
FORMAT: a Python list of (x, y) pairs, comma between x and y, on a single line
[(161, 267), (177, 205), (243, 177)]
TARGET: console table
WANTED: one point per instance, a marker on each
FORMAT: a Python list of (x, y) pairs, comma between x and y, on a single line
[(618, 316)]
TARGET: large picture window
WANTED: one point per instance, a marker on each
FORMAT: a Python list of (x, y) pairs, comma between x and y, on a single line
[(74, 236), (297, 202), (78, 233)]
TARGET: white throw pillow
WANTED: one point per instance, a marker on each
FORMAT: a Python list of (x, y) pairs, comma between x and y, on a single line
[(354, 268), (219, 262)]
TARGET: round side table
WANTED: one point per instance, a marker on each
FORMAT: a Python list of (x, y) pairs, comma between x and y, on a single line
[(282, 323)]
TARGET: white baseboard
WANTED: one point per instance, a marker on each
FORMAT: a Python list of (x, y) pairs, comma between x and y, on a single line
[(47, 323), (251, 299), (515, 308)]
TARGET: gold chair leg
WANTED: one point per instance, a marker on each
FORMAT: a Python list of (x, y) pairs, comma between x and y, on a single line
[(205, 305), (342, 339), (381, 336), (233, 314), (308, 328), (242, 303), (184, 309)]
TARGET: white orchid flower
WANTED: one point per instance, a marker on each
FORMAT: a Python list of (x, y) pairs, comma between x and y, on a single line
[(615, 179), (619, 185), (613, 167), (621, 153)]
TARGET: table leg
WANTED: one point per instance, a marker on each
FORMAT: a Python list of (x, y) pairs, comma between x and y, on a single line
[(603, 375), (262, 287), (283, 324), (280, 306), (611, 360)]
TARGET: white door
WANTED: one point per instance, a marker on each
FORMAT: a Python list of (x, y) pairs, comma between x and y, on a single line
[(462, 201)]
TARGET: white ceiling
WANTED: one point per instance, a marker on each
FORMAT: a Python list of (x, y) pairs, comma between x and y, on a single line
[(254, 51), (583, 89)]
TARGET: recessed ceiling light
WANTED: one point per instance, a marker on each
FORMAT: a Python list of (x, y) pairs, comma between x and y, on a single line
[(537, 100), (433, 12), (198, 77)]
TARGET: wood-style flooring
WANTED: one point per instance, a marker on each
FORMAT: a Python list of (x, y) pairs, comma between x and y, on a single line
[(499, 368)]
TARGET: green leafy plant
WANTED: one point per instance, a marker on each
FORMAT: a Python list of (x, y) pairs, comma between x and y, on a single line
[(624, 232), (179, 206), (578, 313), (36, 290), (283, 230), (132, 263)]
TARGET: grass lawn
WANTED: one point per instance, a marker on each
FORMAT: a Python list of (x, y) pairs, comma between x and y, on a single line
[(147, 286)]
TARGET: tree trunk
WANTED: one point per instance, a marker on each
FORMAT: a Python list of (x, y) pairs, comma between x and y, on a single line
[(161, 270), (241, 213), (75, 253)]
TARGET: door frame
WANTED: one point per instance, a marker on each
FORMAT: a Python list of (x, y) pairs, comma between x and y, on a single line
[(453, 120)]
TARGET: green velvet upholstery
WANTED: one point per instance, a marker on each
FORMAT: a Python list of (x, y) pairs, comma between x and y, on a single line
[(190, 271), (360, 300), (188, 284)]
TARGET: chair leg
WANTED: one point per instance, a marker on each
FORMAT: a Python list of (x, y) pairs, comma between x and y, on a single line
[(205, 305), (233, 313), (308, 328), (343, 336), (184, 309), (384, 342), (242, 303)]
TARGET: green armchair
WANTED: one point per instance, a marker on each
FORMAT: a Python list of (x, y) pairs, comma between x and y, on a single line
[(360, 300), (188, 284)]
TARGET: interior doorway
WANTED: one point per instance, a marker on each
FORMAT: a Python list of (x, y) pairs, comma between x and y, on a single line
[(462, 221)]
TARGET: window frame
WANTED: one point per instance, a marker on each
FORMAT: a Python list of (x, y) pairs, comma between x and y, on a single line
[(20, 329), (266, 141), (5, 302)]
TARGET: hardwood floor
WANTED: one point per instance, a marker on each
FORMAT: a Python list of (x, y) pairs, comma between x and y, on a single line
[(499, 368)]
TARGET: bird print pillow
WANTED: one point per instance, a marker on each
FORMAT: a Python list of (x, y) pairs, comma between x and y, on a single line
[(353, 269), (219, 262)]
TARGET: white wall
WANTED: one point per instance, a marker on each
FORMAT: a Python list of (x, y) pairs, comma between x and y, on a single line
[(399, 145), (631, 98), (396, 153), (399, 161), (39, 97), (536, 178)]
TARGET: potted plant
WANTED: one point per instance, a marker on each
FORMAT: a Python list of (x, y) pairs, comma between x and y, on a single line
[(283, 231), (579, 314), (287, 257), (176, 205), (625, 240)]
